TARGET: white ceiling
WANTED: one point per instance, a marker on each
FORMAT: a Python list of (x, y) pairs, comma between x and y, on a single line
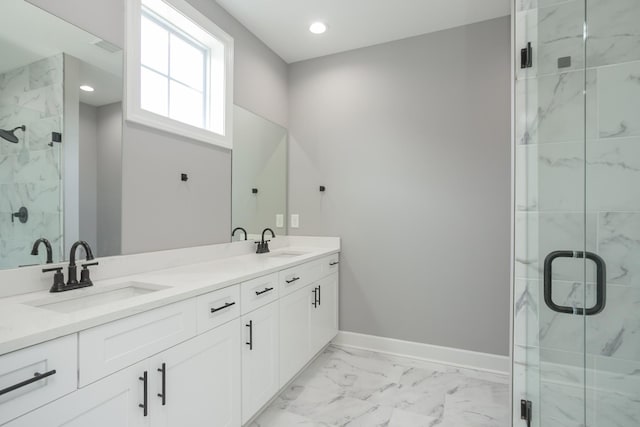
[(28, 34), (283, 25)]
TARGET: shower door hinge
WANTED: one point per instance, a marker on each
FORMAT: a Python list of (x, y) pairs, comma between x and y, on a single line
[(526, 56), (525, 411)]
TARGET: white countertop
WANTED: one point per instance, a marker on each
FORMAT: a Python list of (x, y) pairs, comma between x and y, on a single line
[(23, 325)]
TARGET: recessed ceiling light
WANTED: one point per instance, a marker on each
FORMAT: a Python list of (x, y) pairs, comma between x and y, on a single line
[(87, 88), (318, 27)]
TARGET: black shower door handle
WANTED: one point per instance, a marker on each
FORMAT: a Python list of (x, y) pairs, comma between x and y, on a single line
[(601, 282)]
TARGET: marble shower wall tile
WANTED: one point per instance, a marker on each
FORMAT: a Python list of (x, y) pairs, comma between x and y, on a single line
[(613, 174), (551, 108), (560, 34), (46, 72), (619, 100), (30, 171), (550, 177), (15, 81), (610, 334), (619, 245), (614, 33), (539, 233)]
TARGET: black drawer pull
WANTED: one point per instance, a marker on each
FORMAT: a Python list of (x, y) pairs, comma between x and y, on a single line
[(334, 263), (227, 305), (163, 395), (292, 280), (145, 402), (250, 326), (36, 377), (264, 292), (315, 297)]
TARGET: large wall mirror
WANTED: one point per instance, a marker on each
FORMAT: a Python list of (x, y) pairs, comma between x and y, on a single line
[(259, 181), (60, 137)]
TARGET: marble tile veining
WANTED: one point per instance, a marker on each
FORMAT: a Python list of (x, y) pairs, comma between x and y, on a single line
[(349, 387)]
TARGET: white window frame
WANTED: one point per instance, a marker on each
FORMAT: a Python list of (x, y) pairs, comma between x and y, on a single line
[(133, 110)]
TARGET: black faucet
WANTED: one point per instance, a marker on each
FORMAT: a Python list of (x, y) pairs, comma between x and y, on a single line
[(85, 280), (47, 245), (233, 233), (72, 283), (263, 246)]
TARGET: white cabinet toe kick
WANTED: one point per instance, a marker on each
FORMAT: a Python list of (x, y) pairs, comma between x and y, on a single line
[(215, 359)]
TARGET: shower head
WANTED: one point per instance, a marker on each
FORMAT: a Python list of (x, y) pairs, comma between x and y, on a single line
[(10, 135)]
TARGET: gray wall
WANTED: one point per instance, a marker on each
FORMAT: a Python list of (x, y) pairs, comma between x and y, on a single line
[(159, 212), (88, 197), (411, 139), (109, 185)]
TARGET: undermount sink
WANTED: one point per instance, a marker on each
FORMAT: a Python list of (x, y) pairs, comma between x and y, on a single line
[(77, 300), (286, 254)]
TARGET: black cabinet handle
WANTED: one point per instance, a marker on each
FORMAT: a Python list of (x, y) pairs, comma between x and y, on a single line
[(319, 295), (227, 305), (163, 395), (250, 326), (145, 403), (292, 280), (36, 377), (334, 263), (315, 297), (264, 292), (601, 282)]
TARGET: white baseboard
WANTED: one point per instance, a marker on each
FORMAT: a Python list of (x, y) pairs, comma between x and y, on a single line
[(432, 353)]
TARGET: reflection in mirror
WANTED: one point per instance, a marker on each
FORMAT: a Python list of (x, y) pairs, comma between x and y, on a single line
[(259, 179), (60, 146)]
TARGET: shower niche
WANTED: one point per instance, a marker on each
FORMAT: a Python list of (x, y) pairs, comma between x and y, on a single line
[(59, 144)]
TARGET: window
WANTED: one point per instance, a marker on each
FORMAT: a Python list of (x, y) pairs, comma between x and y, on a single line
[(179, 71)]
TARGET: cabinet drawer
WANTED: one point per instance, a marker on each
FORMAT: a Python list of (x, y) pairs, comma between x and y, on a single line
[(218, 307), (259, 292), (330, 265), (298, 277), (108, 348), (55, 362)]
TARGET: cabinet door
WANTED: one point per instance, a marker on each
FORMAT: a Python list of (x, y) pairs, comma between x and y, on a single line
[(295, 328), (324, 317), (201, 384), (260, 363), (112, 401)]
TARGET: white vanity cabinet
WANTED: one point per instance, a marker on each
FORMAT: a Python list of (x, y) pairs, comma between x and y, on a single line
[(211, 360), (112, 401), (260, 358), (197, 383), (324, 313), (308, 322), (37, 375)]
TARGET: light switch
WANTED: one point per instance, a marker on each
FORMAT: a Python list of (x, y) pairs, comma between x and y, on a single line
[(279, 220), (295, 221)]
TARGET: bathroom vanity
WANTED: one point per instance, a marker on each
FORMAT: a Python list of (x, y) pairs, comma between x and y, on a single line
[(207, 342)]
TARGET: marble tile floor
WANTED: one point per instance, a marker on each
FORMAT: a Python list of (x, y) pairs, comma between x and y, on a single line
[(350, 387)]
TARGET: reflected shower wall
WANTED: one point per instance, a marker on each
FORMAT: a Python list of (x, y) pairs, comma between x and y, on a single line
[(30, 171)]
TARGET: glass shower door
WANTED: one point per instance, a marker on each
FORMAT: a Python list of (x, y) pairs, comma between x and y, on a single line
[(557, 268), (577, 233)]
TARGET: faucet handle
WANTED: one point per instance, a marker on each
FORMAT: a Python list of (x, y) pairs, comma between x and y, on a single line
[(58, 279), (85, 277), (90, 264)]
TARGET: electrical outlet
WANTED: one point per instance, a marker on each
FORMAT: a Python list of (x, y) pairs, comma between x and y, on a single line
[(279, 220), (295, 221)]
